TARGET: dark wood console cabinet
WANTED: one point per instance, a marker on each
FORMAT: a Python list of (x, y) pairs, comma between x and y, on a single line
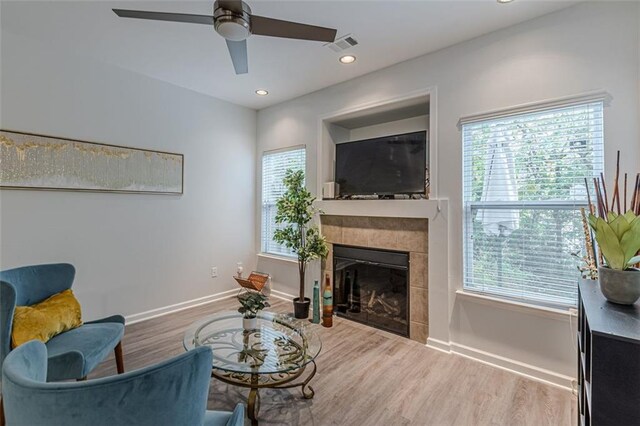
[(608, 360)]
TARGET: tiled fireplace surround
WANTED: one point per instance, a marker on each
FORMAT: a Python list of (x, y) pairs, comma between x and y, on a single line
[(400, 234)]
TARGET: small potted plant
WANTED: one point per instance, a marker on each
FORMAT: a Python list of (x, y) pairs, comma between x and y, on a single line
[(251, 303), (618, 238), (296, 212)]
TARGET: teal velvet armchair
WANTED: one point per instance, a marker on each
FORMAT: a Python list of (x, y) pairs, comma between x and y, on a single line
[(173, 392), (72, 354)]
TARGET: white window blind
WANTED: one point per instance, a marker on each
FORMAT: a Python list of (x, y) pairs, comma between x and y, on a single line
[(523, 189), (274, 166)]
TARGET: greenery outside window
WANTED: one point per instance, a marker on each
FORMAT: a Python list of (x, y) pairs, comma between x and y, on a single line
[(524, 185), (274, 166)]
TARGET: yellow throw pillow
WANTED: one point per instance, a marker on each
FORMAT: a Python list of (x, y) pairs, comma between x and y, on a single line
[(44, 320)]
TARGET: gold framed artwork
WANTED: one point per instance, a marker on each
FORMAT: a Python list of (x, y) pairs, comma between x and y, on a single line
[(31, 161)]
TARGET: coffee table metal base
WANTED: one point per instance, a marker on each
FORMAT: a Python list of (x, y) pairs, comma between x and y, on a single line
[(257, 381)]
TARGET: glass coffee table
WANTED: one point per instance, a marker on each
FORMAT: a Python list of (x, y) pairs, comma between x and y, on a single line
[(272, 355)]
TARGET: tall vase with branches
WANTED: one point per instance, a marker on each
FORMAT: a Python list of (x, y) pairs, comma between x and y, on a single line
[(296, 212)]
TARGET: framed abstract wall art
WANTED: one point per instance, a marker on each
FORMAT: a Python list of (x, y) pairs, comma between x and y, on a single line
[(30, 161)]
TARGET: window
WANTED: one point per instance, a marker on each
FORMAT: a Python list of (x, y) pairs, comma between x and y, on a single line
[(524, 185), (274, 166)]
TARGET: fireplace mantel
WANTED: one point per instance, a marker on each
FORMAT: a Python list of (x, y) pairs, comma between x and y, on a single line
[(417, 209)]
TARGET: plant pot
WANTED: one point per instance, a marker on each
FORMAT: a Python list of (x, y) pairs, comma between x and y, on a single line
[(301, 309), (249, 323), (621, 287)]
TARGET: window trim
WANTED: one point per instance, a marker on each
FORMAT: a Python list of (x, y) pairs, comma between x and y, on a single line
[(262, 252), (467, 251), (538, 106)]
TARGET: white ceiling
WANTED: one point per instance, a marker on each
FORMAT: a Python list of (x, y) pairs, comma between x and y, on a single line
[(195, 57)]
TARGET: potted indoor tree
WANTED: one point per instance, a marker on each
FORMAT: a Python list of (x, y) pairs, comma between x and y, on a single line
[(251, 303), (296, 212)]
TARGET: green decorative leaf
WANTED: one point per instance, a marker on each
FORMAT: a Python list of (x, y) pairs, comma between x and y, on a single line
[(633, 261), (609, 245), (630, 216), (630, 242), (620, 225)]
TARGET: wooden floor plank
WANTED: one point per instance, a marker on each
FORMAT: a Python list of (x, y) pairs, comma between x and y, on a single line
[(367, 377)]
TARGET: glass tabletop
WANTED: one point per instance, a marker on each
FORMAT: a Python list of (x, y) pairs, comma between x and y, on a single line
[(277, 344)]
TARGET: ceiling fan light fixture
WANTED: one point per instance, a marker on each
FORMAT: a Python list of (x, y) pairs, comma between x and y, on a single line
[(262, 92), (347, 59), (233, 30), (233, 25)]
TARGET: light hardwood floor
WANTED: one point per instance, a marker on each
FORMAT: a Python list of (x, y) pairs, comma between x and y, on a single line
[(367, 377)]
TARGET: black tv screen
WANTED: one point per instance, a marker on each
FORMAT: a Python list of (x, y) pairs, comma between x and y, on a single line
[(382, 166)]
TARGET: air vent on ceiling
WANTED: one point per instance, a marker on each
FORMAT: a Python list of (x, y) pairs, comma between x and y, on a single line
[(343, 43)]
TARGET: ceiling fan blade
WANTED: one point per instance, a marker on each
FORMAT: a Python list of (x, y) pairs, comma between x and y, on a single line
[(163, 16), (287, 29), (232, 5), (238, 52)]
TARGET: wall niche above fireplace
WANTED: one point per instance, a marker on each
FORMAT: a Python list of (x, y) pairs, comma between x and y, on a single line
[(401, 116)]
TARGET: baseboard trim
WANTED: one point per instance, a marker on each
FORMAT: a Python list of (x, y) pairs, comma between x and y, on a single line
[(438, 345), (282, 295), (517, 367), (158, 312)]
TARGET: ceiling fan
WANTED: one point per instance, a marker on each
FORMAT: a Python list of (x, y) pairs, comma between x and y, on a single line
[(232, 19)]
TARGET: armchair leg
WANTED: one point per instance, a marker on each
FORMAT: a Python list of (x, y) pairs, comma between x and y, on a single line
[(119, 359)]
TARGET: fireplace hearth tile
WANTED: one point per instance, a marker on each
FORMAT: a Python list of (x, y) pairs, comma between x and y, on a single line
[(413, 241), (327, 263), (419, 276), (419, 304), (332, 232), (383, 238), (355, 236), (418, 332)]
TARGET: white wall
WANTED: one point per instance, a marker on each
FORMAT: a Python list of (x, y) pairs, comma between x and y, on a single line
[(407, 125), (583, 48), (133, 253)]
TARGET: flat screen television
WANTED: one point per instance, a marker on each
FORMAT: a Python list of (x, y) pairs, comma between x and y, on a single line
[(382, 166)]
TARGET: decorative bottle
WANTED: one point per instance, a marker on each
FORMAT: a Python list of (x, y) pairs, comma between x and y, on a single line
[(266, 290), (327, 304), (316, 302)]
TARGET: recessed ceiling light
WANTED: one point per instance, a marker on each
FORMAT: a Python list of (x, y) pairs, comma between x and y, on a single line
[(504, 1), (347, 59), (261, 92)]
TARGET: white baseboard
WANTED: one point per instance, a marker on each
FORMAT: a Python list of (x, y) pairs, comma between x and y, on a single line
[(154, 313), (282, 295), (517, 367), (439, 345)]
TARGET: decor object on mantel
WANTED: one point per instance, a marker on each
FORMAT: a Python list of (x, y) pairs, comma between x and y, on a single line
[(252, 302), (617, 233), (295, 211), (31, 161)]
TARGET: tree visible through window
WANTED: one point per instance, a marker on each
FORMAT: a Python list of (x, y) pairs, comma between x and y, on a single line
[(524, 185), (274, 166)]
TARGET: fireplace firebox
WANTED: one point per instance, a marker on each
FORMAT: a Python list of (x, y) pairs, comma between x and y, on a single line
[(371, 287)]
